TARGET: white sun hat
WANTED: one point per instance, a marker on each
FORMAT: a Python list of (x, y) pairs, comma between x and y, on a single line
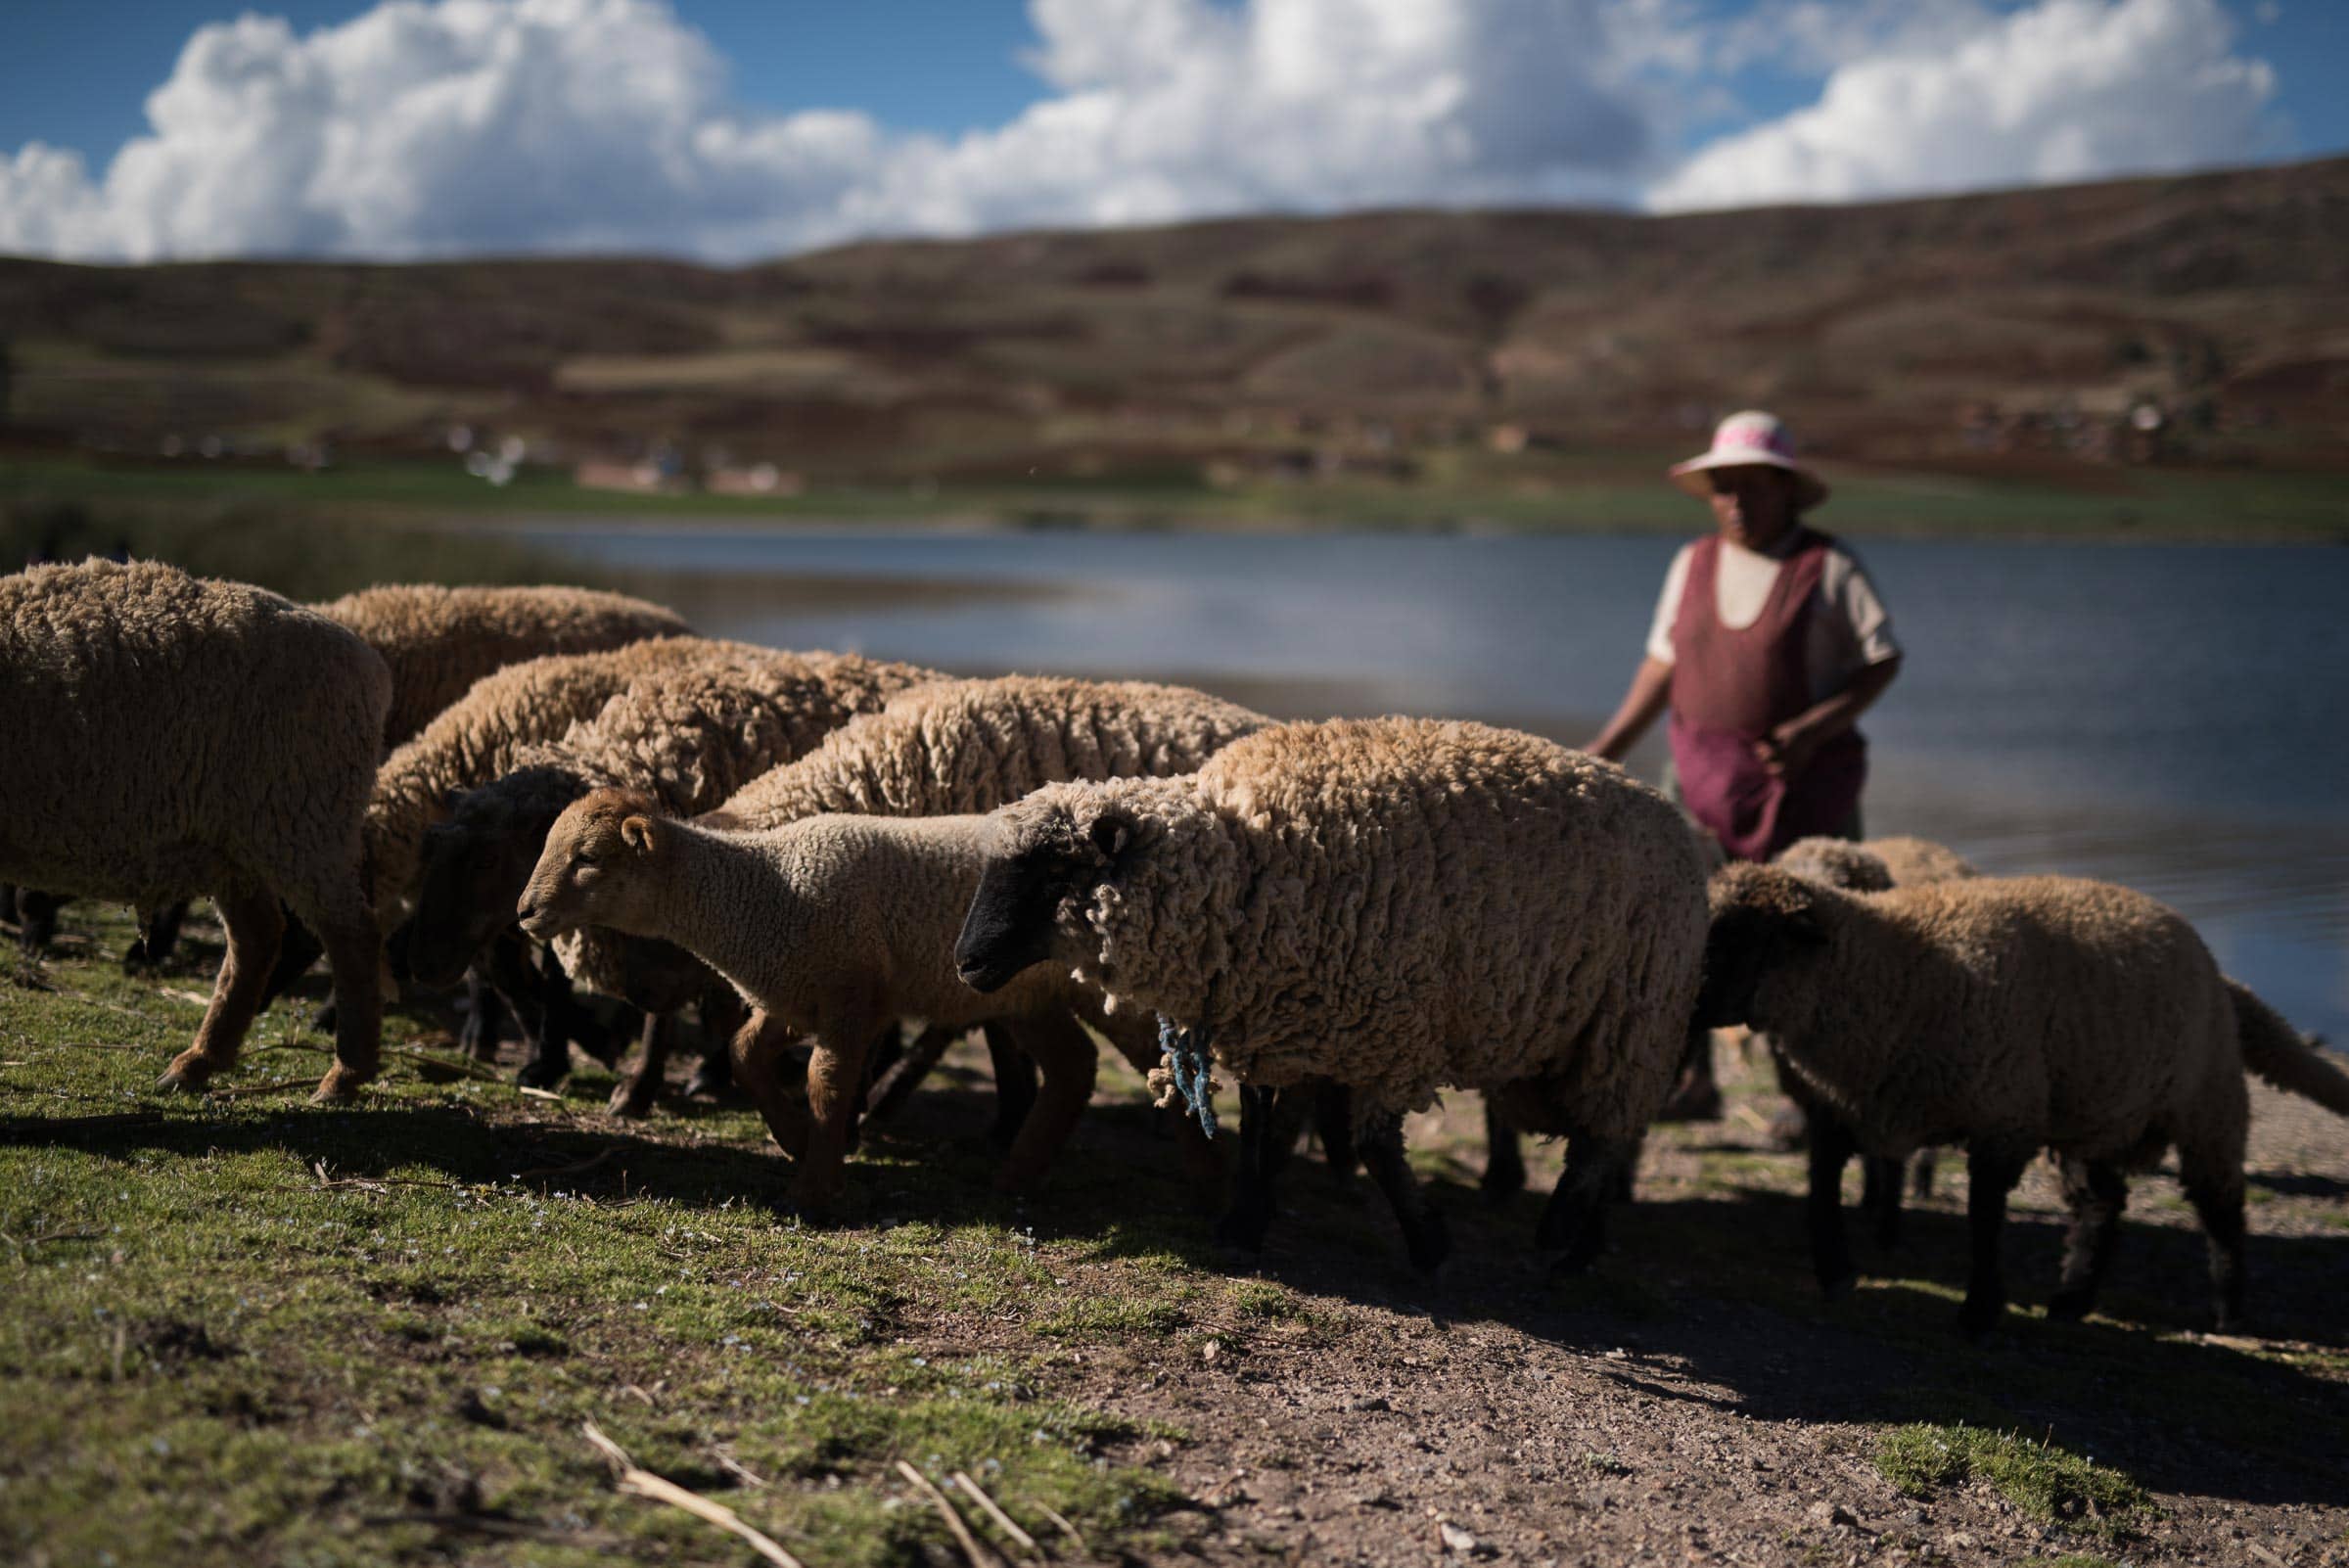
[(1742, 440)]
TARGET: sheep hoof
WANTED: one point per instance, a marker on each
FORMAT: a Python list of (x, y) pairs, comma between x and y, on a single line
[(631, 1099), (1430, 1245), (708, 1083), (187, 1074), (1837, 1286), (339, 1086), (536, 1074), (2068, 1306)]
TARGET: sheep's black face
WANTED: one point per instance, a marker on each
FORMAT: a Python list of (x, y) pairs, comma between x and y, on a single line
[(475, 868), (1742, 949), (1010, 923)]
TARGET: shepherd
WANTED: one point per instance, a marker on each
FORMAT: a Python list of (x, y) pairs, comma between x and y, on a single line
[(1768, 643)]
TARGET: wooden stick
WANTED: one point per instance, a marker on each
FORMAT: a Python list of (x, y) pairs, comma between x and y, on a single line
[(979, 1555), (644, 1484), (1066, 1527), (1003, 1521)]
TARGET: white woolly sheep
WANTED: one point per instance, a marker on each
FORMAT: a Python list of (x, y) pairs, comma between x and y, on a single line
[(690, 736), (953, 748), (2014, 1014), (1393, 906), (197, 737), (439, 641)]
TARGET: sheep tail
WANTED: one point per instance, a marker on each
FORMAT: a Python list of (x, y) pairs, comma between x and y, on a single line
[(2284, 1056)]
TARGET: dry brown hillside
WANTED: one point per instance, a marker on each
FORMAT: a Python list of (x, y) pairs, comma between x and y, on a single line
[(2014, 329)]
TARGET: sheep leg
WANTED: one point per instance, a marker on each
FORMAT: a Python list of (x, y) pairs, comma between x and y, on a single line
[(2096, 1191), (894, 1087), (485, 1019), (1333, 1124), (36, 920), (354, 957), (1830, 1146), (1244, 1223), (757, 1050), (2214, 1186), (159, 934), (1424, 1237), (254, 925), (1992, 1172), (835, 1087), (1576, 1217), (1015, 1082), (1064, 1052), (1504, 1160), (1880, 1196), (1921, 1173), (723, 1013), (295, 953), (632, 1096)]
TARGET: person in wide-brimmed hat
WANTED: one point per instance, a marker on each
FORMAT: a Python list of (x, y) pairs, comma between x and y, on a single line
[(1769, 642)]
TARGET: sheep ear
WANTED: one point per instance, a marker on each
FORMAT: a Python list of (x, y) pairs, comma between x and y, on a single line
[(636, 832), (1111, 834)]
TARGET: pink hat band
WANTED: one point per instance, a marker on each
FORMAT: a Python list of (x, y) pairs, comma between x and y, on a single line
[(1750, 437)]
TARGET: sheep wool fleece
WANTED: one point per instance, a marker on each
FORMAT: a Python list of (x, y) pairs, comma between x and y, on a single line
[(170, 736), (965, 745), (439, 641), (1399, 904)]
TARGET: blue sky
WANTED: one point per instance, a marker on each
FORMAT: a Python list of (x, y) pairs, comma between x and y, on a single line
[(340, 133)]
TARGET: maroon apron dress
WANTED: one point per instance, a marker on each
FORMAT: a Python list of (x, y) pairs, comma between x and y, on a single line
[(1731, 686)]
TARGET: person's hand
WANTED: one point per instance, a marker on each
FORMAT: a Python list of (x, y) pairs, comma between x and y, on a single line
[(1788, 749)]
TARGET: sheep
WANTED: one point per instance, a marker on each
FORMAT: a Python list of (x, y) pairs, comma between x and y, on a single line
[(691, 735), (1393, 906), (439, 641), (1872, 868), (197, 737), (832, 926), (2014, 1014), (962, 748)]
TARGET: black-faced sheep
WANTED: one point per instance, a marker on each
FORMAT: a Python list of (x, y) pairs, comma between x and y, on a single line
[(1393, 905), (2013, 1015), (957, 746), (197, 738), (690, 736)]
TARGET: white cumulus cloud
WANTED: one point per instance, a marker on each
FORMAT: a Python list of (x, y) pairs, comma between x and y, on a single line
[(430, 128), (2060, 90)]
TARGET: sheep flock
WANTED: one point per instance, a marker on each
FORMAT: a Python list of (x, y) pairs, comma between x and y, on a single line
[(601, 824)]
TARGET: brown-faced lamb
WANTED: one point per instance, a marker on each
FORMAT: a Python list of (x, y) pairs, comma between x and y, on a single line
[(956, 746), (439, 641), (197, 738), (690, 736), (1391, 904), (2014, 1015)]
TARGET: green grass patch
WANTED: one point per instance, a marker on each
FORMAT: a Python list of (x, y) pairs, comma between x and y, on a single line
[(2051, 1484)]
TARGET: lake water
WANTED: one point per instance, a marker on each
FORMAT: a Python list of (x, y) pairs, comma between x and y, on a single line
[(2173, 717)]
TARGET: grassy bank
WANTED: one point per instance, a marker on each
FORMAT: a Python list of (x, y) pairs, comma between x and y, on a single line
[(247, 1329), (1595, 491)]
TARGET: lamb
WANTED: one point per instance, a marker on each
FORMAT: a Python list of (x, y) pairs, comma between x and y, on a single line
[(2015, 1014), (956, 746), (1393, 905), (832, 926), (197, 737), (691, 735), (439, 641)]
